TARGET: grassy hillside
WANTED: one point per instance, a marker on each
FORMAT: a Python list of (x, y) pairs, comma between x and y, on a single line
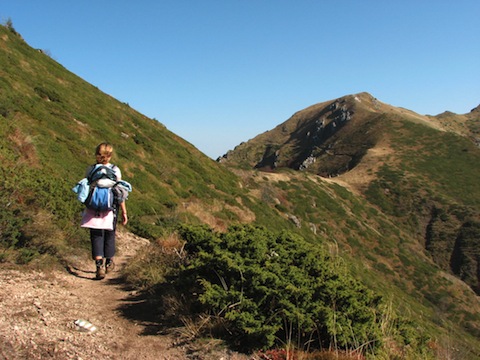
[(420, 170), (410, 195), (51, 121), (361, 252)]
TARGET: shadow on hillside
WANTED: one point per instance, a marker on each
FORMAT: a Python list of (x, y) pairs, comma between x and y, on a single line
[(150, 310)]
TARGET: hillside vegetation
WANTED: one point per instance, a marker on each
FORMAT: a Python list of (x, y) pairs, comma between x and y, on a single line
[(408, 166), (371, 247)]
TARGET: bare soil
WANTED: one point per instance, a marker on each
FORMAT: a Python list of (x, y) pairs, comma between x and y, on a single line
[(38, 311)]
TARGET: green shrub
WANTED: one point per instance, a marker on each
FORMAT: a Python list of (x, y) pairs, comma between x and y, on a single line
[(264, 285), (11, 223), (47, 94)]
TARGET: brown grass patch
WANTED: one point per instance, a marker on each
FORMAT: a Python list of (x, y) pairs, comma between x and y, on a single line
[(172, 244), (205, 213), (25, 147), (360, 177)]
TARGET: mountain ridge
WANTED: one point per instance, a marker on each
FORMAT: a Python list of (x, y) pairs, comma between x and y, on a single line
[(352, 139), (326, 121)]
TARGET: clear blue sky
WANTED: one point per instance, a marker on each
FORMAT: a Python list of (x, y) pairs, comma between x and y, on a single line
[(219, 72)]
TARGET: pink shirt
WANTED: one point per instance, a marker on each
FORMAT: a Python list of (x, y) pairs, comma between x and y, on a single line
[(102, 220)]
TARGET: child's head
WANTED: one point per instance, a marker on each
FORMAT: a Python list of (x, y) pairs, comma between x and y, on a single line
[(103, 153)]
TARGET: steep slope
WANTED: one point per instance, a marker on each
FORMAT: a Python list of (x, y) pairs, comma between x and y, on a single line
[(51, 121)]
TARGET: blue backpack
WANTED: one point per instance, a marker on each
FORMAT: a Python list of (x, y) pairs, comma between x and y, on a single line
[(101, 198)]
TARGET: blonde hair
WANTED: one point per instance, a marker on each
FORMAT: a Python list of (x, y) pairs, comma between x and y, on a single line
[(103, 153)]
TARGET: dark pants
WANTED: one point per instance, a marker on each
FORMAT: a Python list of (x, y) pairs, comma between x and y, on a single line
[(103, 243)]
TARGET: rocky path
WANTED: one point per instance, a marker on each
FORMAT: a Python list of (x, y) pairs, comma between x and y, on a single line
[(38, 311)]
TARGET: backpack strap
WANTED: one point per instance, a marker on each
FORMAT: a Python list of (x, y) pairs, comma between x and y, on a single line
[(92, 171), (98, 167)]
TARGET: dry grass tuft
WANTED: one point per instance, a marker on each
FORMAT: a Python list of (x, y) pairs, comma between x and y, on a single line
[(172, 244), (25, 147)]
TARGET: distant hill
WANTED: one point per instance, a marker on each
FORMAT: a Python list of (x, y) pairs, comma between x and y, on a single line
[(420, 171), (391, 194), (332, 137), (423, 170)]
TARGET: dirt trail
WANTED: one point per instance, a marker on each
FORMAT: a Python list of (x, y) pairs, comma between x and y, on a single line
[(38, 311)]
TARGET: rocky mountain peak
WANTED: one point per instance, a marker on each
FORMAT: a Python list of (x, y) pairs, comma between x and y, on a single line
[(475, 110), (319, 139)]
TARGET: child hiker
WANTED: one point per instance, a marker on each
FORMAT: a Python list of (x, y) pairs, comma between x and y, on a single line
[(102, 221)]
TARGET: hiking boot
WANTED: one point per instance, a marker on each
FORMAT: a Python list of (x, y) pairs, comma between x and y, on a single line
[(109, 267), (100, 273)]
